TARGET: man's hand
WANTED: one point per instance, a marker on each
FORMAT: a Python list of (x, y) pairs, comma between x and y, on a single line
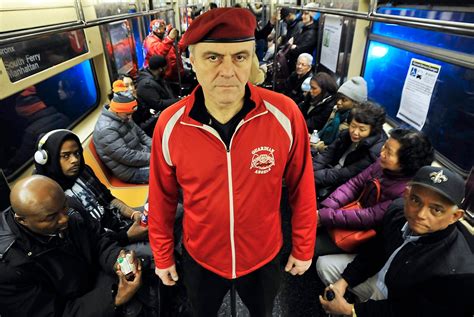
[(297, 267), (339, 305), (168, 276), (137, 232), (173, 34), (126, 289), (320, 146), (137, 216)]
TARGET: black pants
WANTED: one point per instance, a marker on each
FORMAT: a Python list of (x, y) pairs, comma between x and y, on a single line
[(206, 290)]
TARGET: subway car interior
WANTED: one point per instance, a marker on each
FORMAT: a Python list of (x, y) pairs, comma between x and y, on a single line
[(60, 58)]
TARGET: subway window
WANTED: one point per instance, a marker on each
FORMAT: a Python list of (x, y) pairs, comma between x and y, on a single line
[(58, 102), (426, 82)]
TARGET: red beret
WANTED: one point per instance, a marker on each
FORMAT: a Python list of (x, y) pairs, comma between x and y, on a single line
[(225, 25)]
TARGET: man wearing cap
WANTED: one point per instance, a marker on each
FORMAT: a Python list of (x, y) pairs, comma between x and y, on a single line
[(306, 40), (158, 43), (420, 264), (153, 93), (228, 146), (293, 25), (120, 143)]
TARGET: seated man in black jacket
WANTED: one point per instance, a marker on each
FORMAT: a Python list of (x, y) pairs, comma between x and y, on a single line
[(153, 93), (419, 264), (52, 264)]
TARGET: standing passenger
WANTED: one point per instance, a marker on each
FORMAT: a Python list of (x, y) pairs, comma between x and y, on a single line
[(160, 42), (228, 146)]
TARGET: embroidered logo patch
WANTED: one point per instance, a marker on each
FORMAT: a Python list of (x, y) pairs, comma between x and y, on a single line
[(262, 160), (438, 177)]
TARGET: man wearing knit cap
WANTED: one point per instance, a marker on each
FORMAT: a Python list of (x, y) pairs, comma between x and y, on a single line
[(228, 146), (120, 143), (419, 264), (352, 93)]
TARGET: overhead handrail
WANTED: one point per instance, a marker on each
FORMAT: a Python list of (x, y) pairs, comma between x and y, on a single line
[(31, 33), (461, 28)]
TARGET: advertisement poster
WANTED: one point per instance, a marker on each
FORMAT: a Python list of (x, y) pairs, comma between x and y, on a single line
[(417, 90), (331, 41)]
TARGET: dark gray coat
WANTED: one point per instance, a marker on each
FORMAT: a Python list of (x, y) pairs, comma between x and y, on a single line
[(122, 146)]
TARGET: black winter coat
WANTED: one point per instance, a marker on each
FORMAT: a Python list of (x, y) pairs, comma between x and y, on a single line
[(293, 86), (356, 161), (431, 277), (57, 277), (153, 94), (317, 116), (305, 42)]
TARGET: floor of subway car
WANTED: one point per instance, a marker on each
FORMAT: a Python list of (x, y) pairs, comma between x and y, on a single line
[(298, 295)]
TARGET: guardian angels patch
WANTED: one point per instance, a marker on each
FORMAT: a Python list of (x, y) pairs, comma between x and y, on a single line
[(262, 160)]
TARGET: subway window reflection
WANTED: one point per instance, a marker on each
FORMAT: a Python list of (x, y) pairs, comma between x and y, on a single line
[(56, 103)]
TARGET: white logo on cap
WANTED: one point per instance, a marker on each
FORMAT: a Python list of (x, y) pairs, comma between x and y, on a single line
[(438, 177)]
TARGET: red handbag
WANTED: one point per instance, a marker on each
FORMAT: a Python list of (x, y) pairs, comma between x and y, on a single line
[(346, 239)]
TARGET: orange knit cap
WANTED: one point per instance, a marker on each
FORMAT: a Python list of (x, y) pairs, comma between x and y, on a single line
[(119, 86), (123, 100)]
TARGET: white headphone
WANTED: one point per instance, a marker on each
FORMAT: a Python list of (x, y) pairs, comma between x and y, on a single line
[(41, 156)]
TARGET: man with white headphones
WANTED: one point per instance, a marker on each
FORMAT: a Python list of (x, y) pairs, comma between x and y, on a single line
[(59, 156)]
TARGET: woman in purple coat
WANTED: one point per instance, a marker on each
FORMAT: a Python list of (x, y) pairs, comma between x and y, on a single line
[(401, 156)]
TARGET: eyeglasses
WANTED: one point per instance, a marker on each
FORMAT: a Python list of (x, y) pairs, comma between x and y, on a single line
[(66, 156)]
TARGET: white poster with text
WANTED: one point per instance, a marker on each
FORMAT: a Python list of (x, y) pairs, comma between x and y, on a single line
[(417, 91), (331, 41)]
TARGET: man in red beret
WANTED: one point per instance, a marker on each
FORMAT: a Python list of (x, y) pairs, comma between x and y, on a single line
[(228, 146), (158, 43)]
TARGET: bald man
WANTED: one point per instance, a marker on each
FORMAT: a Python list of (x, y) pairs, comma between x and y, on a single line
[(51, 263)]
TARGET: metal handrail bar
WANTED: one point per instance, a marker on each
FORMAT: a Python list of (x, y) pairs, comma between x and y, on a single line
[(461, 28), (27, 34)]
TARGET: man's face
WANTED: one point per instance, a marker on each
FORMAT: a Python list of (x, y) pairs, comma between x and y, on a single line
[(70, 158), (223, 70), (302, 66), (128, 82), (344, 103), (125, 116), (427, 211), (160, 31), (50, 221), (307, 17)]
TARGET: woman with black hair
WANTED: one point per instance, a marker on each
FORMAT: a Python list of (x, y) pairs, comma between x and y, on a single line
[(318, 104), (353, 151), (404, 153)]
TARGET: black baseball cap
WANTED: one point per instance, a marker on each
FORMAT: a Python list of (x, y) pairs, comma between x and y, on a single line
[(442, 181)]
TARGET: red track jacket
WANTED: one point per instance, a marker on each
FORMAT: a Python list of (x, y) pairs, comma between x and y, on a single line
[(232, 223)]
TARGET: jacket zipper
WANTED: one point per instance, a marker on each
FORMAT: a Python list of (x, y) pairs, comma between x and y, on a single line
[(230, 181)]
